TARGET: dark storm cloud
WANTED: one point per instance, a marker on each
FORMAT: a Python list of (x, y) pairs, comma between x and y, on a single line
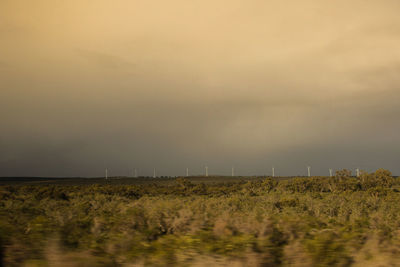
[(251, 84)]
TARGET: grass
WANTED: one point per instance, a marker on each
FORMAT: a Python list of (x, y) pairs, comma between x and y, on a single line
[(319, 221)]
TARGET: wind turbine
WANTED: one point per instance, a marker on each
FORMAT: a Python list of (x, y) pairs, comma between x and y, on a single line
[(273, 172), (206, 171), (233, 171), (330, 173), (309, 171), (106, 173), (187, 172)]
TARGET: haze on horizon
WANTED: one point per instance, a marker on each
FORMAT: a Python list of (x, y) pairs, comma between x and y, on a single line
[(86, 85)]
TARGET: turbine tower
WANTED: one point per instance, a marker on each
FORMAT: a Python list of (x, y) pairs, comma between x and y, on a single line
[(206, 171), (233, 171), (154, 173), (309, 171), (273, 172), (187, 172), (106, 173), (330, 173)]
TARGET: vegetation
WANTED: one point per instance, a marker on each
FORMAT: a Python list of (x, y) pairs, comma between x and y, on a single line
[(318, 221)]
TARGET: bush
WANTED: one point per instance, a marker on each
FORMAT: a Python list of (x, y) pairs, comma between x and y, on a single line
[(318, 221)]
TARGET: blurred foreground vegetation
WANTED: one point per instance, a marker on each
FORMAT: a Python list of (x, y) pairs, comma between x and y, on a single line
[(318, 221)]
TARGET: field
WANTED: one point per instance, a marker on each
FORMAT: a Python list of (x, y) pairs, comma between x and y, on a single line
[(201, 221)]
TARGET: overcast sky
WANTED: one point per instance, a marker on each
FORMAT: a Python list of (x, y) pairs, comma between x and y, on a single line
[(90, 84)]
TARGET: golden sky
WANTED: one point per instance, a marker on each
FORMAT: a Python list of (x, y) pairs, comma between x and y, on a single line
[(175, 84)]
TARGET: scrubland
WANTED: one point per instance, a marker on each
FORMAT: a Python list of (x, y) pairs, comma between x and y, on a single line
[(318, 221)]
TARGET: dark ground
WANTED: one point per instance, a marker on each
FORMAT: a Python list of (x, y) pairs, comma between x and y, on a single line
[(126, 180)]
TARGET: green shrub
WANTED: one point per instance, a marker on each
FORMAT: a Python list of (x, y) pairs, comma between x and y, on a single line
[(320, 220)]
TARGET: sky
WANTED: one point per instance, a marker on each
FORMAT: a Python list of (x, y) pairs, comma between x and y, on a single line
[(92, 84)]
